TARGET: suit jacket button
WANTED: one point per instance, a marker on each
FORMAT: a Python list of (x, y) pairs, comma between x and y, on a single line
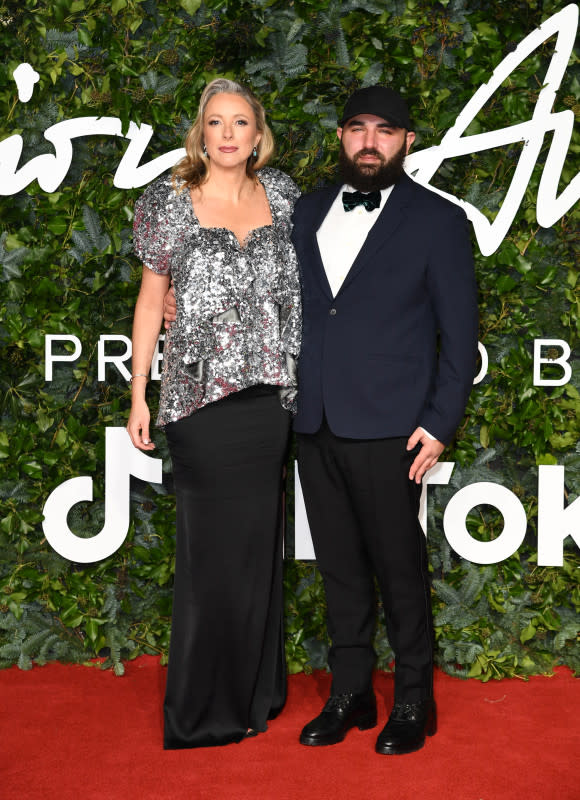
[(332, 312)]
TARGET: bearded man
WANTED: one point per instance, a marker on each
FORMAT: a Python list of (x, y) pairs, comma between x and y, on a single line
[(387, 362)]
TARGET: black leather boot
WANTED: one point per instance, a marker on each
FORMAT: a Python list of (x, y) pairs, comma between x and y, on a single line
[(341, 713), (407, 727)]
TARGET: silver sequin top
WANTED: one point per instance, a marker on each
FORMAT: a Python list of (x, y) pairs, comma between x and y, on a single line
[(238, 307)]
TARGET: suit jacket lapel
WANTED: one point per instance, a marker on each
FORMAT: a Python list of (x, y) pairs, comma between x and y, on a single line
[(326, 200), (391, 216)]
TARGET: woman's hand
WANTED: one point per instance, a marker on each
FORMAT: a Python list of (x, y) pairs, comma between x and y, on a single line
[(169, 308), (138, 425)]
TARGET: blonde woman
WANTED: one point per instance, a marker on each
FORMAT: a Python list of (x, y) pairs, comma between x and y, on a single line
[(219, 229)]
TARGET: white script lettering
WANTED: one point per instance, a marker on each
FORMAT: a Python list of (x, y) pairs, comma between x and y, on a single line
[(50, 170)]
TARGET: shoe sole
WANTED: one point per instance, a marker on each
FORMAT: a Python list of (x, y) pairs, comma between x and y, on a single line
[(364, 724)]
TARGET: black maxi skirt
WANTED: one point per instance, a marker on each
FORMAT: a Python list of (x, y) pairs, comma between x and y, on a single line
[(226, 657)]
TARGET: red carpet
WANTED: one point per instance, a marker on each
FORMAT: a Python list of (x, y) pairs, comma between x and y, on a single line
[(75, 733)]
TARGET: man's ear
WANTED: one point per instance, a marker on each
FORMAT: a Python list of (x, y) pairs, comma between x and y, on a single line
[(339, 133), (410, 138)]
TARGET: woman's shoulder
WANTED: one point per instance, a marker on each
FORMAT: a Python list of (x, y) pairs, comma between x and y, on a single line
[(280, 182)]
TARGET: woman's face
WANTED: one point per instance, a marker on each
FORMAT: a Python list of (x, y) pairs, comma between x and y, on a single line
[(229, 130)]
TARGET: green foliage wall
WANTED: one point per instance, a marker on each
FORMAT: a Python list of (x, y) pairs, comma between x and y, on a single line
[(67, 268)]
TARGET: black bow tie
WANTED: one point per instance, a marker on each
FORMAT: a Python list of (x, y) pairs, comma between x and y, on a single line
[(370, 201)]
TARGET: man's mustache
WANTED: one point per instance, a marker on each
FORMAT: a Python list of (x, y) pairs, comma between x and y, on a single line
[(369, 151)]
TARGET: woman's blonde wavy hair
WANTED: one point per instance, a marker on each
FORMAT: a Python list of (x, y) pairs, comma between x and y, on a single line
[(192, 169)]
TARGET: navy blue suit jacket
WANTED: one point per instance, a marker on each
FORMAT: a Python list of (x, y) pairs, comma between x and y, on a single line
[(396, 348)]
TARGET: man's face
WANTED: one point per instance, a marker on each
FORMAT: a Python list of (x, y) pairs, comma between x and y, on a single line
[(372, 151)]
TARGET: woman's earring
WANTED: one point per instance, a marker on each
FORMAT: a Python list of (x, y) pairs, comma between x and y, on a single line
[(255, 152), (205, 151)]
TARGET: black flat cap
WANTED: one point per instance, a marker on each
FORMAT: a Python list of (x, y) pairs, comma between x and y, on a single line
[(380, 101)]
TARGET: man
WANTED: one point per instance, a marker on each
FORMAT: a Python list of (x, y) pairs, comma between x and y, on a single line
[(387, 362)]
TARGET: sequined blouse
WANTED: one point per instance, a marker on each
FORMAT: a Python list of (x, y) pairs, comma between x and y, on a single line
[(238, 307)]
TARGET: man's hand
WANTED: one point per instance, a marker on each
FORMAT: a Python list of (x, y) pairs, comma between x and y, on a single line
[(427, 456), (169, 308)]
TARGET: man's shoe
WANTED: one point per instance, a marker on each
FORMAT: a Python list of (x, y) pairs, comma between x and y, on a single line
[(407, 727), (341, 713)]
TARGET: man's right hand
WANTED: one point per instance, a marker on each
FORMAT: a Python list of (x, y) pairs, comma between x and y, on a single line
[(169, 308)]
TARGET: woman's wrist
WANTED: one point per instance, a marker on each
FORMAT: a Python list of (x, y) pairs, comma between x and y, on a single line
[(138, 382)]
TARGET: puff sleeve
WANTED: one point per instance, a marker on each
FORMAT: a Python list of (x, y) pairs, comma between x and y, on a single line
[(153, 229)]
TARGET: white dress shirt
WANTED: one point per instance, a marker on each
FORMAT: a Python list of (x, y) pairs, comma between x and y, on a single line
[(341, 236)]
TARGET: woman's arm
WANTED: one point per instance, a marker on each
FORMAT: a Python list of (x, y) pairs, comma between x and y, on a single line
[(146, 327)]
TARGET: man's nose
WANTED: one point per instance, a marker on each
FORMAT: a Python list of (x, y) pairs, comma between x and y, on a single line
[(370, 138)]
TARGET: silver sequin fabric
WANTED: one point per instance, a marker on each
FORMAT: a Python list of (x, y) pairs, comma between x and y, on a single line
[(238, 307)]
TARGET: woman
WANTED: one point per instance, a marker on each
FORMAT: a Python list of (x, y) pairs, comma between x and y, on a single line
[(219, 228)]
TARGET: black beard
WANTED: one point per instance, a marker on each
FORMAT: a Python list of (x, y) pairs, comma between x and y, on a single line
[(371, 177)]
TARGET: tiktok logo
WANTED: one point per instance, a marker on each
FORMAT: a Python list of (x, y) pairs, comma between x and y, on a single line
[(121, 461)]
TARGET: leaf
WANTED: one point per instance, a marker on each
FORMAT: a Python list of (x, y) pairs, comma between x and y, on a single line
[(484, 435), (447, 593), (527, 633), (486, 31), (94, 230), (546, 458), (91, 628), (191, 6), (475, 670), (4, 445), (373, 74)]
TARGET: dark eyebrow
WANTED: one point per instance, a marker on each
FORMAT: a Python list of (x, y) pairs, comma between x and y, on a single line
[(355, 121)]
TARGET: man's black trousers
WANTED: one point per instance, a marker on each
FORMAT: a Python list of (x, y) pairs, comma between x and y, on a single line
[(363, 515)]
